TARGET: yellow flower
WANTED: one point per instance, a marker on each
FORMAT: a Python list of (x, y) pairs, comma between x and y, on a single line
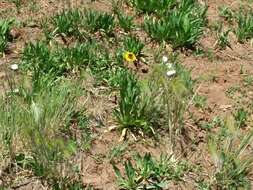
[(129, 56)]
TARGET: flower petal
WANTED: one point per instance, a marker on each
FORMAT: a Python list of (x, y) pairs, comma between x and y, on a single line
[(165, 59), (14, 67), (171, 73)]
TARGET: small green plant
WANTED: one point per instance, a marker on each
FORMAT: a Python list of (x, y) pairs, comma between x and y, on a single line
[(40, 59), (244, 30), (241, 117), (96, 21), (153, 6), (114, 76), (149, 173), (223, 39), (45, 25), (5, 27), (33, 6), (133, 44), (216, 121), (231, 159), (199, 101), (68, 22), (102, 66), (248, 80), (226, 13), (202, 185), (117, 151), (125, 21), (133, 112), (82, 133), (182, 26), (76, 57), (185, 77)]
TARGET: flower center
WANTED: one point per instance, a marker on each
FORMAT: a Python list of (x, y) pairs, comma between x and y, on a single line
[(130, 56)]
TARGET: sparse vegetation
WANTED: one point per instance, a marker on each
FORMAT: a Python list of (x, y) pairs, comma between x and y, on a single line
[(125, 22), (96, 21), (245, 25), (68, 22), (31, 128), (227, 13), (187, 19), (223, 37), (5, 27), (40, 59), (199, 101), (150, 173), (18, 4), (152, 6), (230, 158), (241, 116), (135, 109), (134, 45), (126, 94)]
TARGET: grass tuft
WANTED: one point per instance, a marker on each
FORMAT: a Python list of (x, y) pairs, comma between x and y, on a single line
[(182, 26)]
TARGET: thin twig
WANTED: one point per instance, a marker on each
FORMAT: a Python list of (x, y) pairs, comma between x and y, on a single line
[(195, 94), (24, 183)]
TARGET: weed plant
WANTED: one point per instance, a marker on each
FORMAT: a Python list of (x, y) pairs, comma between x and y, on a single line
[(232, 160), (133, 44), (68, 23), (157, 101), (5, 27), (200, 101), (223, 37), (40, 59), (93, 57), (149, 173), (172, 95), (244, 31), (241, 117), (32, 127), (153, 6), (132, 112), (226, 13), (76, 22), (125, 22), (96, 21), (182, 26)]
